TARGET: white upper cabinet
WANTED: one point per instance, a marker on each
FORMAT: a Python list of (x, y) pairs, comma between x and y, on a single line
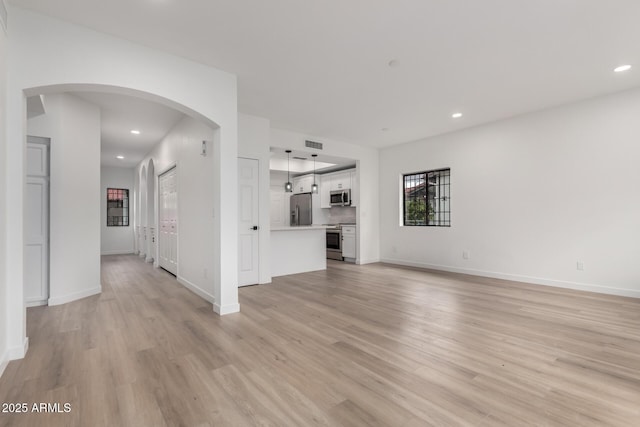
[(302, 184), (325, 191), (355, 188), (342, 180)]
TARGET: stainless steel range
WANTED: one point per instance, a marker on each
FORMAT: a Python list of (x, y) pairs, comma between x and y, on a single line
[(334, 242)]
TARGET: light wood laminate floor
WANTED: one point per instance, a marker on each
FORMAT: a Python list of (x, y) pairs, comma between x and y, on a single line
[(353, 346)]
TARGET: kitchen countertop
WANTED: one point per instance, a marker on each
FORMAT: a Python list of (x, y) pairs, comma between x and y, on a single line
[(301, 227)]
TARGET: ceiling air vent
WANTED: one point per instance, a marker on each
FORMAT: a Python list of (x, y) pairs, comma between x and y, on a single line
[(3, 15), (312, 144), (299, 158)]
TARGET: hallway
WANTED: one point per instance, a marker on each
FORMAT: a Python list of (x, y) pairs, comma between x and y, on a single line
[(352, 345)]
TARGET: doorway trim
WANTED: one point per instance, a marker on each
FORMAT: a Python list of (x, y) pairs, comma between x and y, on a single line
[(135, 70)]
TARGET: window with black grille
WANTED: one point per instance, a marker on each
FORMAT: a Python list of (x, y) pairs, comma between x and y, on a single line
[(427, 198), (117, 207)]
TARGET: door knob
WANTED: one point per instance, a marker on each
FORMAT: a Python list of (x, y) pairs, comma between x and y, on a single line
[(255, 227)]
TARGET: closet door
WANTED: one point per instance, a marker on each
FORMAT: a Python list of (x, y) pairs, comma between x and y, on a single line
[(168, 221), (36, 224)]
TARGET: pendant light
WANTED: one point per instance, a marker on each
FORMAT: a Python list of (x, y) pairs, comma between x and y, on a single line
[(288, 187), (314, 187)]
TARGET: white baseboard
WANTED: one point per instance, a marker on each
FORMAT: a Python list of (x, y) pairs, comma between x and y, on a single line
[(227, 309), (18, 352), (4, 361), (36, 303), (519, 278), (361, 261), (124, 252), (14, 353), (196, 290), (63, 299)]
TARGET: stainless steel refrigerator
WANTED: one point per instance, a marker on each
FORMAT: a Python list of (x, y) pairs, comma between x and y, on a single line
[(300, 209)]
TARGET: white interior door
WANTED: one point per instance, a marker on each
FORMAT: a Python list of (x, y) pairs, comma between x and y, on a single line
[(37, 224), (168, 221), (248, 234)]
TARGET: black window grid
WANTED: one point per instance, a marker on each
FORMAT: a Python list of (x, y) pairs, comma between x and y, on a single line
[(427, 198), (117, 207)]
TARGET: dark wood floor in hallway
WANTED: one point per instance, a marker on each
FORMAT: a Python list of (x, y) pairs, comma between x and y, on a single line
[(350, 346)]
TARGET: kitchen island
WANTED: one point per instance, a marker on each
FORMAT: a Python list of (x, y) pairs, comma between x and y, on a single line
[(298, 249)]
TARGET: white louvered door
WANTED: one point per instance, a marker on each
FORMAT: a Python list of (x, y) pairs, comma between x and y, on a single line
[(168, 221)]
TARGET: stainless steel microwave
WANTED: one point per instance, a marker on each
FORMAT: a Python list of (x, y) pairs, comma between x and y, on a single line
[(341, 198)]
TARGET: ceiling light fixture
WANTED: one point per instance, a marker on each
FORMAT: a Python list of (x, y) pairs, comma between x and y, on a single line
[(288, 187), (314, 187), (135, 131), (622, 68), (456, 115), (119, 157)]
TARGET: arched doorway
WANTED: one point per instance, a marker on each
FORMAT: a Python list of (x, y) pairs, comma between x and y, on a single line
[(135, 70)]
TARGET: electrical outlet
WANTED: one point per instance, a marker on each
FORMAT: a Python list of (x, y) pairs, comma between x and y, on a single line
[(465, 255), (580, 266)]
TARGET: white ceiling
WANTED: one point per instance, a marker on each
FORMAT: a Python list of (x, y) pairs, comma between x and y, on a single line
[(119, 115), (321, 67)]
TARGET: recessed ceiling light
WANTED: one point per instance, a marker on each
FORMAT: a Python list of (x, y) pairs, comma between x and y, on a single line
[(135, 131), (622, 68), (119, 157), (456, 115)]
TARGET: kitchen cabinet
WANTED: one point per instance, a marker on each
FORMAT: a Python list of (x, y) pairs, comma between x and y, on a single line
[(349, 242), (302, 184), (325, 191), (340, 181), (355, 188)]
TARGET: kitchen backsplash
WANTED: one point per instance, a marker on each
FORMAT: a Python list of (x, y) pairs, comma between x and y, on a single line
[(342, 215)]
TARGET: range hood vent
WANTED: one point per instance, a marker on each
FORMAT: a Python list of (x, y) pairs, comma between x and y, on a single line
[(313, 144)]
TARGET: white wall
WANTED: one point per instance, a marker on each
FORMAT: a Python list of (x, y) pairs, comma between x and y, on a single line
[(198, 254), (78, 58), (115, 240), (367, 240), (4, 303), (531, 196), (253, 143), (74, 128), (278, 199)]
